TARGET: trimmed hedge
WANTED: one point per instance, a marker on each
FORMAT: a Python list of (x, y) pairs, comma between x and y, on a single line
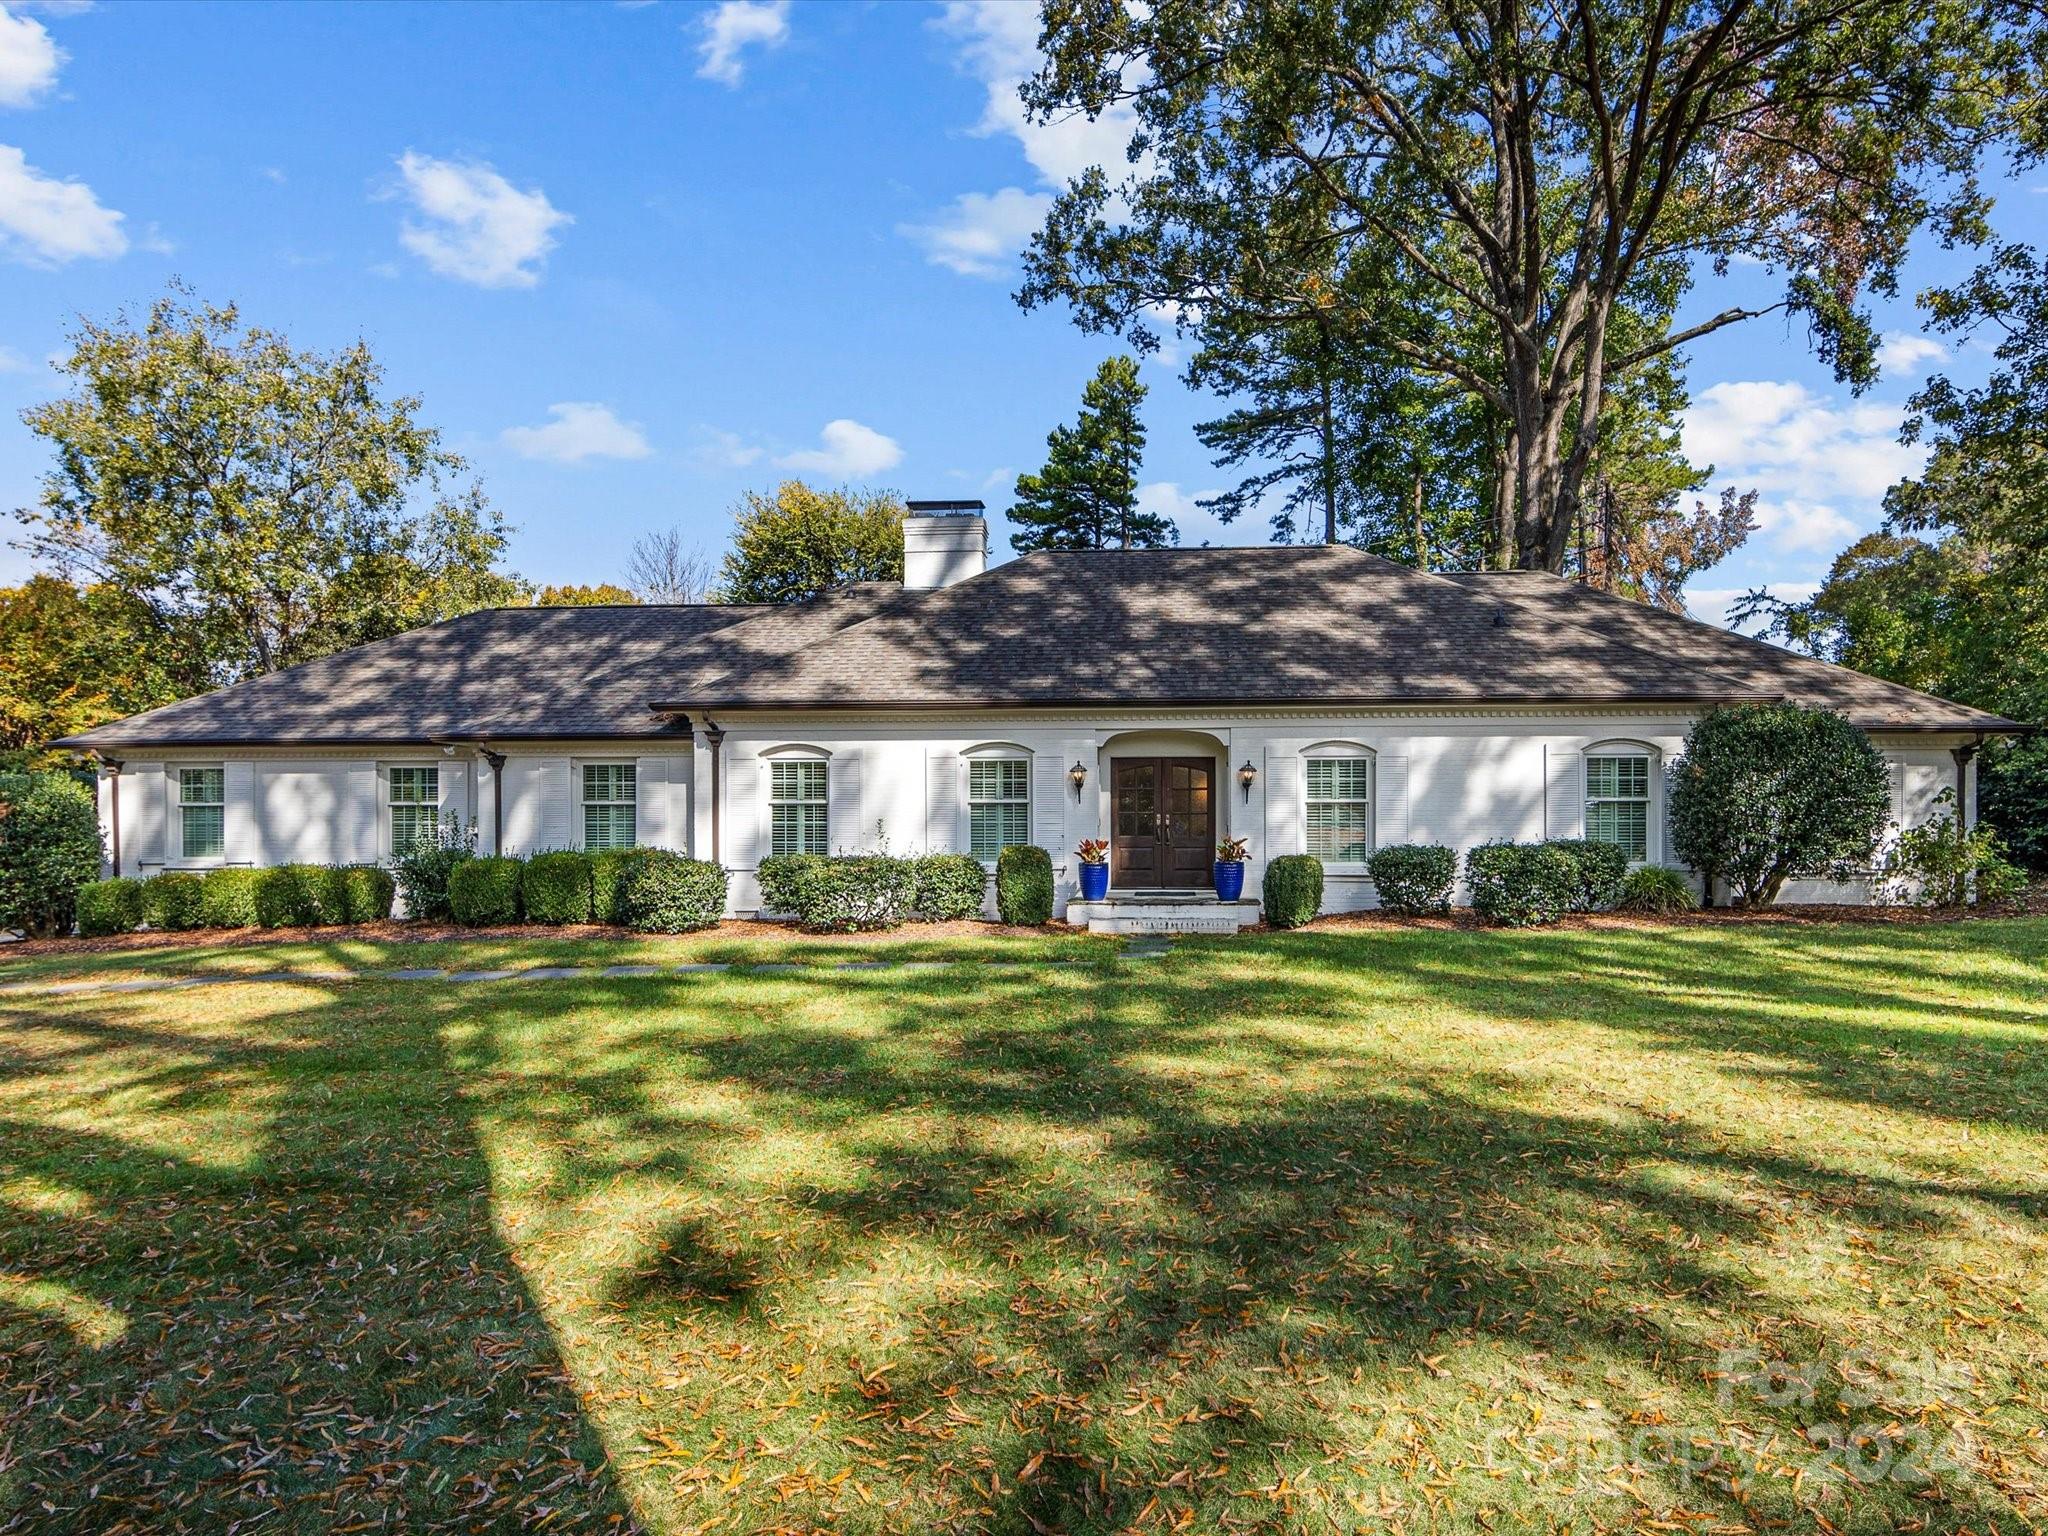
[(1656, 889), (227, 898), (605, 869), (1024, 885), (1518, 885), (484, 892), (424, 869), (782, 879), (1413, 879), (663, 892), (49, 848), (367, 893), (556, 887), (950, 887), (173, 901), (289, 896), (859, 894), (1601, 868), (109, 906), (1293, 889)]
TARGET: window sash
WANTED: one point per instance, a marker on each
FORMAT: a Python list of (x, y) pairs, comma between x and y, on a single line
[(414, 797), (607, 827), (998, 805), (1618, 803), (610, 783), (1339, 808), (610, 806), (798, 820), (202, 812)]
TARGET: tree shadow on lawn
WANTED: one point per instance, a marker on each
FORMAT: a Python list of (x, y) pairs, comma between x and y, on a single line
[(249, 1278), (1029, 1253)]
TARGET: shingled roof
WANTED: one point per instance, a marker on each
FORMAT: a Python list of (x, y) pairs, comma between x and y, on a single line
[(1311, 626)]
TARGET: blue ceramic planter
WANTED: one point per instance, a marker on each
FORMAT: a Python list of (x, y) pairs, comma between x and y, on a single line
[(1229, 881), (1095, 881)]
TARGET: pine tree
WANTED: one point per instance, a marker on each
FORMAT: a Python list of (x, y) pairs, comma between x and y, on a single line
[(1086, 495)]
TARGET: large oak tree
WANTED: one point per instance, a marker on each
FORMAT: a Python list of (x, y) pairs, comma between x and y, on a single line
[(1515, 198)]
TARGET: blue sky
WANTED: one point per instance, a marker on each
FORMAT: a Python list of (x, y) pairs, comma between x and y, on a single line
[(639, 258)]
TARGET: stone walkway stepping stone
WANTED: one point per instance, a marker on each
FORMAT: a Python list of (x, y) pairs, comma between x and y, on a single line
[(630, 970), (866, 965), (702, 968), (553, 973), (780, 965), (423, 974), (480, 975)]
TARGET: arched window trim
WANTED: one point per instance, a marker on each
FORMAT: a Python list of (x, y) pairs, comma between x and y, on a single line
[(795, 749), (996, 809), (989, 749), (1342, 751), (1653, 790)]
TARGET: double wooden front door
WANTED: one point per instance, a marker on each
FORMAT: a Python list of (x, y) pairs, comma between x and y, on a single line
[(1163, 828)]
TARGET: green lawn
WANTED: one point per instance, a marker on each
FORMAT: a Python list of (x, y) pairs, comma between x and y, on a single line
[(1394, 1231)]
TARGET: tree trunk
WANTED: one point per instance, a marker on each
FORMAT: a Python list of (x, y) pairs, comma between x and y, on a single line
[(1421, 539), (1329, 436)]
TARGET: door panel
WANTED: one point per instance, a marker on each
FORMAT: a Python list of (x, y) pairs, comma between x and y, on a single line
[(1164, 822)]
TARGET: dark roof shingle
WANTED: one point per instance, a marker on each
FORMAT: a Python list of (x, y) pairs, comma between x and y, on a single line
[(1266, 626)]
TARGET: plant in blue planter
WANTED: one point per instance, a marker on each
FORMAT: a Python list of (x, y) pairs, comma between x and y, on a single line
[(1230, 857), (1094, 856)]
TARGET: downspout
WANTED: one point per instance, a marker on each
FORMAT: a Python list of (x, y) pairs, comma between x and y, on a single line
[(714, 738), (113, 767), (1962, 756), (497, 762)]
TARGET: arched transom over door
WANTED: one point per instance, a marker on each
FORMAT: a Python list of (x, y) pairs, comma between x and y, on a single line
[(1163, 828)]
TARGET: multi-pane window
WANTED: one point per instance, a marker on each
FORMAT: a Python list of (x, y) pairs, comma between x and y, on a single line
[(202, 812), (998, 804), (797, 808), (609, 794), (1340, 809), (415, 794), (1618, 803)]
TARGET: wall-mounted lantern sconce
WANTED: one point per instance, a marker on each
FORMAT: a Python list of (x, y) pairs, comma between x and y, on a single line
[(1077, 776), (1247, 776)]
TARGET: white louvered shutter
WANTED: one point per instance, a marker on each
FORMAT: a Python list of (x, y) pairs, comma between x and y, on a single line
[(145, 797), (357, 833), (740, 831), (239, 832), (650, 803), (558, 799), (1049, 806), (1564, 793), (1390, 802), (846, 830), (1284, 830), (941, 801)]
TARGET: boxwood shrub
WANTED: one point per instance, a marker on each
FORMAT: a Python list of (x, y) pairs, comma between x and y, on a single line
[(782, 882), (109, 906), (556, 887), (171, 901), (858, 894), (1656, 889), (950, 886), (1601, 869), (1293, 889), (483, 892), (227, 898), (1521, 884), (605, 869), (367, 893), (1413, 879), (1024, 885), (287, 896), (663, 892)]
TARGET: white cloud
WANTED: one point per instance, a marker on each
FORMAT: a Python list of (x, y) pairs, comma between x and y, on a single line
[(45, 222), (29, 60), (12, 361), (734, 27), (715, 449), (850, 452), (581, 429), (1903, 352), (982, 231), (998, 46), (1782, 439), (1804, 525), (1197, 524), (476, 226)]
